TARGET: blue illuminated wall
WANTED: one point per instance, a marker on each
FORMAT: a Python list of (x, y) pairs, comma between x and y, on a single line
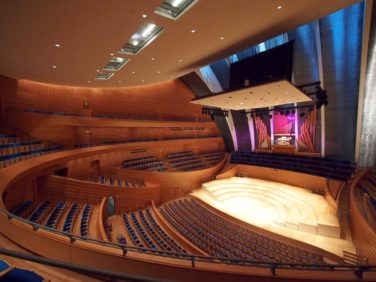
[(341, 39)]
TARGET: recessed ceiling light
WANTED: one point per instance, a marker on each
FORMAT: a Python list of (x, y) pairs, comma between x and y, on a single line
[(57, 45), (112, 54), (158, 72), (143, 80), (279, 7), (54, 67), (221, 38), (144, 16), (153, 59), (180, 60), (193, 30), (241, 103), (119, 81), (88, 81), (97, 70), (133, 72)]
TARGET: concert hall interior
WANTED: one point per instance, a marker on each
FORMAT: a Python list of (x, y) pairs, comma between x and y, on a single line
[(188, 140)]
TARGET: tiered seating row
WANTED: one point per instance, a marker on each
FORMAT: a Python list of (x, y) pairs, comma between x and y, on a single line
[(220, 237), (24, 210), (71, 216), (41, 212), (56, 214), (84, 226), (329, 168), (109, 180), (147, 163), (132, 233)]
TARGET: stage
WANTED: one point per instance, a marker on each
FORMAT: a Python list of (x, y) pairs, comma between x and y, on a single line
[(280, 208)]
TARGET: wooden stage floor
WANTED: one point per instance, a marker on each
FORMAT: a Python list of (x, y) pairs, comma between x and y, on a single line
[(284, 209)]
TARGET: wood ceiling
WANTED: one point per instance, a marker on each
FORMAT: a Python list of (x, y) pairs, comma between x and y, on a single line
[(90, 30)]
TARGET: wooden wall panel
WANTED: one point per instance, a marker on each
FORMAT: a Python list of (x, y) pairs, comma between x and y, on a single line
[(168, 99), (129, 199)]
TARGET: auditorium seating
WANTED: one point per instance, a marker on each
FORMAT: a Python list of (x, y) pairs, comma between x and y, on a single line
[(41, 212), (149, 163), (221, 237), (84, 225), (19, 274), (56, 214), (24, 209), (148, 233), (14, 148), (71, 216), (176, 161), (110, 180), (9, 273), (325, 167)]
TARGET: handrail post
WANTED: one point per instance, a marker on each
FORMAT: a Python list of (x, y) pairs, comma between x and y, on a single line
[(273, 267), (193, 258)]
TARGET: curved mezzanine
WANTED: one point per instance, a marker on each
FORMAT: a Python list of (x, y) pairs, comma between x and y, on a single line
[(116, 255)]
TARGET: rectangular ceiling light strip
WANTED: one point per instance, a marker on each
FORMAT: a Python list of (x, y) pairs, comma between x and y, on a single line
[(115, 64), (173, 9), (142, 38), (104, 75)]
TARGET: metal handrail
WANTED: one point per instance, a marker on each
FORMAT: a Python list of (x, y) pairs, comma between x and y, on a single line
[(79, 268), (357, 269)]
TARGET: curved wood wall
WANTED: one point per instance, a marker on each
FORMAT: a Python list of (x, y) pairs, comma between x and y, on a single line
[(364, 235)]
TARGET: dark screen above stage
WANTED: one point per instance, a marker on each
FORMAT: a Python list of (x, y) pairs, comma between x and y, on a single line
[(274, 64)]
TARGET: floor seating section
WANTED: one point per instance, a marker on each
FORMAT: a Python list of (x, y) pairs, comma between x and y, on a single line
[(144, 231), (223, 238), (14, 148), (110, 180), (24, 210), (177, 161), (326, 167)]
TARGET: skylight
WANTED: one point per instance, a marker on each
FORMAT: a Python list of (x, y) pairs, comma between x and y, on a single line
[(142, 38), (104, 75), (115, 64), (173, 9)]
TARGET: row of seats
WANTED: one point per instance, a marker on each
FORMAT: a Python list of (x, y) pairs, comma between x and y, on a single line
[(7, 160), (56, 214), (84, 226), (109, 180), (24, 209), (223, 238), (71, 216), (136, 241), (41, 212), (329, 168), (6, 138), (156, 236)]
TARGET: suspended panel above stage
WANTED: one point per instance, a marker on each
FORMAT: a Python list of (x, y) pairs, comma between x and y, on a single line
[(261, 96)]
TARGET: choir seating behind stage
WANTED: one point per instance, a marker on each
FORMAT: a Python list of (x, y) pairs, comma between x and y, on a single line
[(325, 167), (223, 238)]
